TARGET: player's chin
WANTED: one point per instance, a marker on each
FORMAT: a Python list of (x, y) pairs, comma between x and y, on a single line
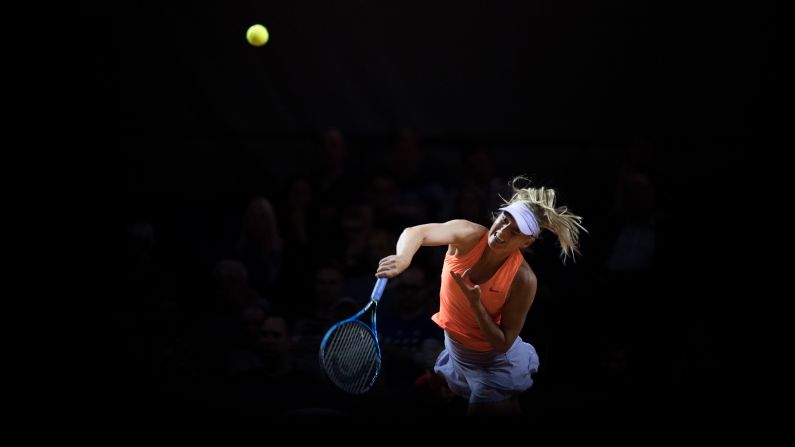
[(495, 244)]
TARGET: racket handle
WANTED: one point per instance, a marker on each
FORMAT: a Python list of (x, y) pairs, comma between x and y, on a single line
[(378, 289)]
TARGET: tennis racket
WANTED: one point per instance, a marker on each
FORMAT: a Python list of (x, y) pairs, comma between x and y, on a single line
[(349, 352)]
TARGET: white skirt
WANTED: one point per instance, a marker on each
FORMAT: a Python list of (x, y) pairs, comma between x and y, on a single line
[(487, 376)]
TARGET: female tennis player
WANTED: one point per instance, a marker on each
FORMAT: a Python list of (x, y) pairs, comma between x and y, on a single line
[(486, 292)]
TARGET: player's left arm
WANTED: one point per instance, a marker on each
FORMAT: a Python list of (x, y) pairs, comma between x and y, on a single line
[(517, 305)]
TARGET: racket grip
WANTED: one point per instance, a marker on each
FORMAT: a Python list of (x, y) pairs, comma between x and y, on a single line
[(380, 284)]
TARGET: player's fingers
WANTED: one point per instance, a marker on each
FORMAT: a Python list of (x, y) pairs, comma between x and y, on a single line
[(386, 270), (459, 280)]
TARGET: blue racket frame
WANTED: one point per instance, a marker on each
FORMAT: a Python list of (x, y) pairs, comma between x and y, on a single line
[(375, 297)]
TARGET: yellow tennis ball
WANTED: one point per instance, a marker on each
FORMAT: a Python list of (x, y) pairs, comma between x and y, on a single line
[(257, 35)]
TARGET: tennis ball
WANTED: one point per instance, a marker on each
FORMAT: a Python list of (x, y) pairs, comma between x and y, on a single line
[(257, 35)]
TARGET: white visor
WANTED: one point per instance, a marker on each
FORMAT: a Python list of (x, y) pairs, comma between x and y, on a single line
[(524, 217)]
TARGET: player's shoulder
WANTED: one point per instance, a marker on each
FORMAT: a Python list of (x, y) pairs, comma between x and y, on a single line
[(469, 226), (465, 232), (466, 236), (526, 274), (471, 232)]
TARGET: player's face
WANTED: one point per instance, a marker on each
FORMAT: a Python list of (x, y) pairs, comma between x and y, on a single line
[(505, 235)]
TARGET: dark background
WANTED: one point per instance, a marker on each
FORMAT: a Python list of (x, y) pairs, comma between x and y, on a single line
[(513, 69), (595, 99)]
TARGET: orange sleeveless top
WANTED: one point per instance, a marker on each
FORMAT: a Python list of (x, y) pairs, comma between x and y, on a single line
[(455, 314)]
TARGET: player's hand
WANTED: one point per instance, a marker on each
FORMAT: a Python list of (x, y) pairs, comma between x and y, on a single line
[(471, 292), (392, 266)]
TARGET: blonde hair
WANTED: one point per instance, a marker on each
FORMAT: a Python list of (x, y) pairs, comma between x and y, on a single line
[(559, 220)]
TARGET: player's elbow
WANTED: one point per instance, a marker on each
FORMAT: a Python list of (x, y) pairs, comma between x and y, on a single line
[(503, 349), (411, 232), (417, 233), (505, 346)]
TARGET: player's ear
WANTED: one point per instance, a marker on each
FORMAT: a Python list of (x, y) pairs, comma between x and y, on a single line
[(527, 242)]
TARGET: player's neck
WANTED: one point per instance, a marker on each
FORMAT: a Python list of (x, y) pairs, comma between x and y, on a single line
[(492, 257)]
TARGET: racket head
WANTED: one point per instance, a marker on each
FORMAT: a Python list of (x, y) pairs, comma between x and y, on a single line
[(350, 356)]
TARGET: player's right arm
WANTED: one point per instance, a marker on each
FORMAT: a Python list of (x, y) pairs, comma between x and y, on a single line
[(460, 235)]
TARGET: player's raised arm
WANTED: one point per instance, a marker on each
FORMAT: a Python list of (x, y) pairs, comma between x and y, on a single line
[(453, 233)]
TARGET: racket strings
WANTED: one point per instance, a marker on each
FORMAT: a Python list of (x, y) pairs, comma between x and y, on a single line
[(353, 352), (351, 357)]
